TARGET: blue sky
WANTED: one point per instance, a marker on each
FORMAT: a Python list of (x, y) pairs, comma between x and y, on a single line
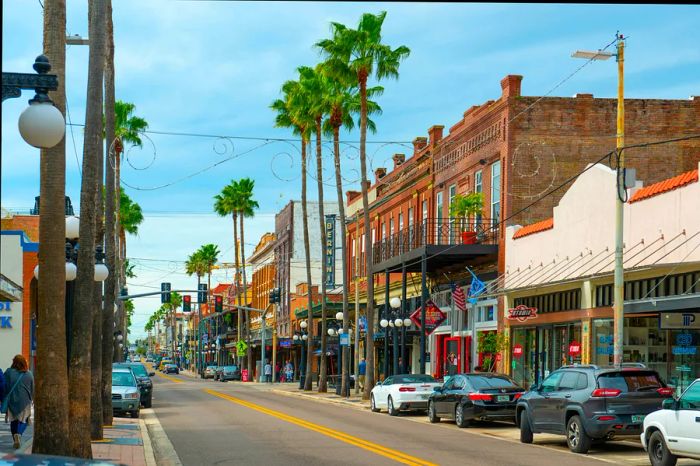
[(214, 68)]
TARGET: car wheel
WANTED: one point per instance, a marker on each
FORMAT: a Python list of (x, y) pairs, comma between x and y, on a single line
[(459, 417), (576, 437), (373, 405), (658, 451), (432, 414), (390, 407), (525, 429), (135, 414), (148, 403)]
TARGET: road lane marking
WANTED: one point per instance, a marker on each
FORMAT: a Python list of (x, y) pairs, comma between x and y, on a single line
[(167, 377), (343, 437)]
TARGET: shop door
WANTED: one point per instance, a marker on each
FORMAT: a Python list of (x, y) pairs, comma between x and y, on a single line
[(543, 361), (452, 354), (523, 363)]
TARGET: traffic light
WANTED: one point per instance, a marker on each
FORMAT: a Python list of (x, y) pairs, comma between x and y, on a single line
[(219, 303), (165, 292), (275, 296), (202, 293), (187, 303)]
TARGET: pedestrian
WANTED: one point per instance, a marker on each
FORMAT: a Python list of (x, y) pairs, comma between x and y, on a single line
[(17, 405), (268, 372), (362, 369), (289, 370), (278, 371)]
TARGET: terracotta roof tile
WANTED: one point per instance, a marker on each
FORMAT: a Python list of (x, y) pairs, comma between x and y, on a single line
[(665, 186), (221, 288), (534, 228)]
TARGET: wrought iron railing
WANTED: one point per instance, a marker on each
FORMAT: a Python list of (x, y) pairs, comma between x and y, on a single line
[(443, 231)]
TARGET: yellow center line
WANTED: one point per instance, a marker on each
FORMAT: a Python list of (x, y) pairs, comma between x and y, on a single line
[(343, 437), (172, 379)]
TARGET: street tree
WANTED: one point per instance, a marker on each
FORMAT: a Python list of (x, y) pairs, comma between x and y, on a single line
[(51, 431), (79, 368), (292, 112), (360, 54)]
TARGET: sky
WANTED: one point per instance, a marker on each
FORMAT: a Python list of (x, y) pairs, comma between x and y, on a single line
[(214, 67)]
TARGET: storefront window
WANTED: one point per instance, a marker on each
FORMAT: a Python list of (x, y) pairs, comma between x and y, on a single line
[(685, 363), (523, 356), (602, 351)]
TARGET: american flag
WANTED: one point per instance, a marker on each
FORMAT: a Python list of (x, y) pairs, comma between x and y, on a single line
[(459, 298)]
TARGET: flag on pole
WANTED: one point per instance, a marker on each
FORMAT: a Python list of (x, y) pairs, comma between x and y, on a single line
[(476, 288), (459, 298)]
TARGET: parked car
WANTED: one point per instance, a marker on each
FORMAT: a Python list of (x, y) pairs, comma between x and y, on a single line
[(210, 372), (224, 373), (143, 379), (674, 431), (475, 396), (126, 397), (402, 392), (163, 363), (590, 403), (137, 358), (171, 369)]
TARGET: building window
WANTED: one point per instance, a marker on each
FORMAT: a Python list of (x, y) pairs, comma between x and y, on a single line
[(383, 230), (438, 223), (496, 192)]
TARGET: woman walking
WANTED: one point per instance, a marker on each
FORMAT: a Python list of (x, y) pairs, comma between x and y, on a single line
[(19, 389)]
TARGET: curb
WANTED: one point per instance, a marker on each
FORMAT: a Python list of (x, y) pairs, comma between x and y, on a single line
[(162, 449), (147, 446)]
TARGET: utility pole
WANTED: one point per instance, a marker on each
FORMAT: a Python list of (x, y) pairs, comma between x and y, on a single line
[(357, 305), (619, 284)]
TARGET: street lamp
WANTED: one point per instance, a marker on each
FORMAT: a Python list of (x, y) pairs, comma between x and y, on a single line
[(300, 337), (41, 124), (618, 287)]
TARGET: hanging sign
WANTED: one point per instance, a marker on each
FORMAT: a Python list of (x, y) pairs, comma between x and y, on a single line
[(574, 348), (433, 317), (330, 251), (517, 351), (522, 313)]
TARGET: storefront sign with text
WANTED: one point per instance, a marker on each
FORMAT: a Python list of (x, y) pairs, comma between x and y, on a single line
[(517, 351), (433, 317), (522, 313), (574, 348)]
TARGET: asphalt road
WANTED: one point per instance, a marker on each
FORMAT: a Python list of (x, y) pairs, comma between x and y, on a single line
[(212, 423)]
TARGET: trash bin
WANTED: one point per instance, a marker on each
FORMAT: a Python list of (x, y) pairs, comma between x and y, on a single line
[(244, 375)]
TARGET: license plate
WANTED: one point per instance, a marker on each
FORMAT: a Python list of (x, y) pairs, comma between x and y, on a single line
[(637, 418), (503, 398)]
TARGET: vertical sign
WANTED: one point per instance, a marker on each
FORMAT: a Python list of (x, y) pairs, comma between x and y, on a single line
[(330, 251)]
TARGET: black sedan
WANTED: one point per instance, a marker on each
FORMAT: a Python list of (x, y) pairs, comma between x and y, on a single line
[(171, 369), (475, 396)]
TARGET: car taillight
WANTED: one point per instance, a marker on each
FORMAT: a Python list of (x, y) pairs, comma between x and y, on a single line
[(605, 392), (479, 397), (407, 389), (517, 395), (606, 418), (665, 391)]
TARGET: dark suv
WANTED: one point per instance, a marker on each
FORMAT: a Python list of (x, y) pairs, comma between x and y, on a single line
[(589, 403)]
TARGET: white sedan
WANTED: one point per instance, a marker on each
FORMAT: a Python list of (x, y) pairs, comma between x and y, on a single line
[(674, 430), (403, 392)]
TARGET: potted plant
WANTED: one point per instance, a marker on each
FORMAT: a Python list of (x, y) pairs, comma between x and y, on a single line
[(464, 206)]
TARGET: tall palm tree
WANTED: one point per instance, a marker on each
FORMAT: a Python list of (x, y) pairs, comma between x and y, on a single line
[(245, 205), (292, 112), (111, 288), (171, 311), (360, 54), (224, 204), (196, 265), (51, 391), (209, 254), (313, 86), (83, 313), (343, 103)]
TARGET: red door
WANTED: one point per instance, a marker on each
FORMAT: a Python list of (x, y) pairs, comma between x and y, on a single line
[(452, 356)]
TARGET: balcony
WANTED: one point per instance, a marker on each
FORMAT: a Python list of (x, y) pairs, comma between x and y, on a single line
[(443, 241)]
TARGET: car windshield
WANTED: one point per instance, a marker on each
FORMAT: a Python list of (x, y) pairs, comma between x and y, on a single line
[(630, 381), (413, 379), (480, 382), (123, 379), (139, 370)]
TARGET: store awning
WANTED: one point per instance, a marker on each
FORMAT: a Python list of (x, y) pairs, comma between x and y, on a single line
[(665, 304)]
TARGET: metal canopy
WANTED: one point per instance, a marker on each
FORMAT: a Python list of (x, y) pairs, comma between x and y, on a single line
[(438, 256)]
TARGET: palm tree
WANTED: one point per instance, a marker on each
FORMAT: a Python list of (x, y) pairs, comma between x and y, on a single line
[(292, 112), (79, 368), (209, 255), (359, 54), (343, 102), (51, 391), (245, 206), (171, 311), (196, 265), (111, 284), (128, 129)]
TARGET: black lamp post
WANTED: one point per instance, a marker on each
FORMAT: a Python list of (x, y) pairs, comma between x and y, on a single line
[(301, 337)]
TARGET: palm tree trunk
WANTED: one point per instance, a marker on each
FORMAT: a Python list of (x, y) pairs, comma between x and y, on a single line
[(245, 295), (307, 256), (81, 338), (344, 387), (323, 375), (110, 240), (96, 432), (121, 275), (369, 378), (51, 392), (239, 312)]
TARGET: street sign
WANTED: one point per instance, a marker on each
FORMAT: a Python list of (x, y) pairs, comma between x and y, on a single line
[(434, 317), (205, 338), (241, 348), (344, 339)]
